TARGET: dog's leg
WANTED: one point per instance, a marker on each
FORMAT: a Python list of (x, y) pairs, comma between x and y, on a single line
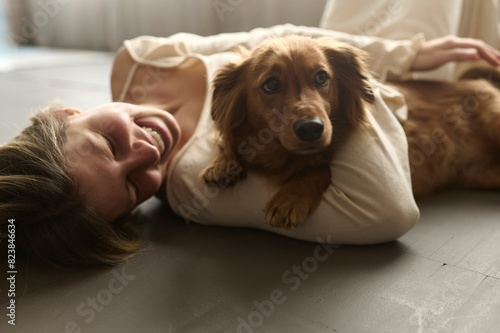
[(298, 198), (223, 171)]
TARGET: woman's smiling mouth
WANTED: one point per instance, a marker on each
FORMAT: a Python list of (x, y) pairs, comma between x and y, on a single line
[(157, 137), (161, 137)]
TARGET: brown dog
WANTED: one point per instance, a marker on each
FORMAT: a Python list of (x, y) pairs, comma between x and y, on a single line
[(282, 112)]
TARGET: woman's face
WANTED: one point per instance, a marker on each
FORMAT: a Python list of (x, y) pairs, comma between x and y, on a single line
[(119, 154)]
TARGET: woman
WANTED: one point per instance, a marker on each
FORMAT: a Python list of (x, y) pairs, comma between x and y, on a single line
[(72, 177)]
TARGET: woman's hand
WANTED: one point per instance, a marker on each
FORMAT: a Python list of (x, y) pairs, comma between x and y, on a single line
[(437, 52)]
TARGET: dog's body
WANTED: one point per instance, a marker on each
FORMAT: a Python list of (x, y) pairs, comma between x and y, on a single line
[(286, 108), (453, 132)]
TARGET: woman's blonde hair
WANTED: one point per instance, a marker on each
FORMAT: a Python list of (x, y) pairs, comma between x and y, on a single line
[(52, 221)]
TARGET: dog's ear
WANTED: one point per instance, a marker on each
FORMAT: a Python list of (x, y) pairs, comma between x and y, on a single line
[(229, 97), (349, 67)]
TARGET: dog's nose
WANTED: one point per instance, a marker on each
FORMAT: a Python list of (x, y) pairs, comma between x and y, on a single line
[(308, 129)]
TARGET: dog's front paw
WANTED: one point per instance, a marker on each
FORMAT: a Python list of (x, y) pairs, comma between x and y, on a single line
[(298, 198), (286, 211), (223, 173)]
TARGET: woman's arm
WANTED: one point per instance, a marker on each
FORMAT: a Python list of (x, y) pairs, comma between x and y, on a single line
[(369, 199), (388, 59)]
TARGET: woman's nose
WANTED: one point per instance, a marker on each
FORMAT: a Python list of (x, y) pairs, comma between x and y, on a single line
[(142, 155)]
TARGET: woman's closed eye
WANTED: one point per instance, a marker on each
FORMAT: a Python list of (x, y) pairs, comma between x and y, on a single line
[(132, 187), (110, 144)]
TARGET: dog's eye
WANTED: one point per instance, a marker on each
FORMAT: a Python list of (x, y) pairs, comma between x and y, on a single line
[(321, 78), (271, 86)]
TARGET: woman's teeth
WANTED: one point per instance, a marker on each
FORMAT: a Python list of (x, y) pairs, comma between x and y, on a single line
[(157, 138)]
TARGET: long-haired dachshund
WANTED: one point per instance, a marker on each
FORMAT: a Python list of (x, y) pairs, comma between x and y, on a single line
[(282, 112), (285, 109)]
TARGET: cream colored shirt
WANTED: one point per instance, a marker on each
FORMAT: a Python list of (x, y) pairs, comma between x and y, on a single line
[(369, 199)]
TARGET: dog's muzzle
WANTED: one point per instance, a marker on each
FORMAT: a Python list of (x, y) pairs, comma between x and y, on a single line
[(309, 130)]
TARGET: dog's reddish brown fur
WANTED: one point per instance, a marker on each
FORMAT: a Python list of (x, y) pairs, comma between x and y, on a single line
[(453, 128), (257, 127), (453, 132)]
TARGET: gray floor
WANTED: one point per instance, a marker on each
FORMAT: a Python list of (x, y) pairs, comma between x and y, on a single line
[(443, 276)]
